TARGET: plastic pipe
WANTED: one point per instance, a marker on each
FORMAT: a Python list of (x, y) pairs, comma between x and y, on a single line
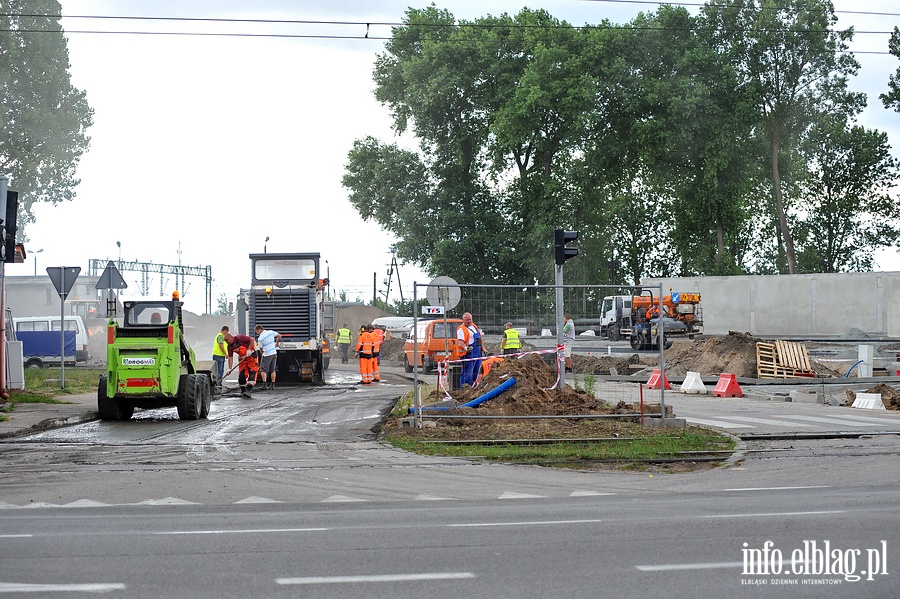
[(858, 362), (477, 401)]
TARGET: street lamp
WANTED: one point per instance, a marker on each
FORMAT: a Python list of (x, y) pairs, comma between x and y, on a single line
[(35, 260), (265, 244), (119, 244)]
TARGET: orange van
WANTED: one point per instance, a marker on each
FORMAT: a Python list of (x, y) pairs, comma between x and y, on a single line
[(434, 339)]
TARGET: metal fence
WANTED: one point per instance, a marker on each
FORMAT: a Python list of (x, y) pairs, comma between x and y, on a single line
[(532, 309)]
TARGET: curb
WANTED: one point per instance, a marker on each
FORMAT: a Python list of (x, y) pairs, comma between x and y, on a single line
[(50, 424), (740, 451)]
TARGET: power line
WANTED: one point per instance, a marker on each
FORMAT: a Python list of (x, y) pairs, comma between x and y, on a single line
[(366, 24)]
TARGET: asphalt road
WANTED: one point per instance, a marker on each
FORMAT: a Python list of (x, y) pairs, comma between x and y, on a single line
[(627, 545), (289, 494)]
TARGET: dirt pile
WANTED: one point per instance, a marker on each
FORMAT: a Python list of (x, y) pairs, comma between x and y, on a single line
[(734, 353), (533, 393), (890, 397)]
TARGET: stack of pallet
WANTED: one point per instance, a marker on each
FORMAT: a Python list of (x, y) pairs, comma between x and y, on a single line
[(782, 359)]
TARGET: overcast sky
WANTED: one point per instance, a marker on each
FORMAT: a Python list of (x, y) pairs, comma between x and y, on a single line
[(203, 146)]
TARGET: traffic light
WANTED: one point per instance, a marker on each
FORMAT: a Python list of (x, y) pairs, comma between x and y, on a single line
[(8, 234), (561, 252)]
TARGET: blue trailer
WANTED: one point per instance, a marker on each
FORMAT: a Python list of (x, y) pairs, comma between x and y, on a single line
[(41, 348)]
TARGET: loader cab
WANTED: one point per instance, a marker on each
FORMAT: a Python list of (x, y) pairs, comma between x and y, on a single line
[(150, 313)]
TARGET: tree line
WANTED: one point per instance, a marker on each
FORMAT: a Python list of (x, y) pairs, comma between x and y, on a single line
[(719, 143)]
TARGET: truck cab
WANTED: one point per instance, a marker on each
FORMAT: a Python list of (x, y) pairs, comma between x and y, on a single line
[(287, 296)]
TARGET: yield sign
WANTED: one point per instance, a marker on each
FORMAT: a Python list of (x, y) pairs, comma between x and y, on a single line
[(63, 278), (111, 278)]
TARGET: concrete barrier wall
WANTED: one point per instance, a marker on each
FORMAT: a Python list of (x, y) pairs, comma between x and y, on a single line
[(814, 305)]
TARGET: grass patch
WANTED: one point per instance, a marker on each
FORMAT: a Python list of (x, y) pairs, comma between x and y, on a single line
[(42, 385), (609, 441)]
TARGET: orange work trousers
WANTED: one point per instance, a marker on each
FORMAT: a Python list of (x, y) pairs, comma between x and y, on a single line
[(366, 372)]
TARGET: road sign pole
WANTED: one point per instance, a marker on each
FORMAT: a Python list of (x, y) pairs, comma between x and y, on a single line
[(62, 332), (63, 285)]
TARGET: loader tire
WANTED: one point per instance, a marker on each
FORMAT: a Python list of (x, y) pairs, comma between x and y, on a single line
[(190, 397), (207, 396), (111, 408)]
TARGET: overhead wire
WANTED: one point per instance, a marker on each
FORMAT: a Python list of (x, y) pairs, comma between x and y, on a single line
[(367, 35)]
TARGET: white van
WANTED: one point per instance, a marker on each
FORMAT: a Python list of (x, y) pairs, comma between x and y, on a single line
[(40, 348)]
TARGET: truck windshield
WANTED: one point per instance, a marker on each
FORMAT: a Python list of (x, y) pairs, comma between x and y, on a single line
[(285, 269)]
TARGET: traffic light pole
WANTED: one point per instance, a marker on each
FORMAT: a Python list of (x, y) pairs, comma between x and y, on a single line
[(561, 253), (560, 361)]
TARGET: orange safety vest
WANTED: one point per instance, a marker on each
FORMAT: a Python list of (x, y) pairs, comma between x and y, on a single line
[(377, 340), (364, 343)]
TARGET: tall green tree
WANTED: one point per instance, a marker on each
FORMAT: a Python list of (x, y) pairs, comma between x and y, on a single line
[(892, 98), (793, 64), (847, 197), (43, 118)]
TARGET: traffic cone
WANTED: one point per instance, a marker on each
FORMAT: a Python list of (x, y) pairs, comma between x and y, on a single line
[(727, 386)]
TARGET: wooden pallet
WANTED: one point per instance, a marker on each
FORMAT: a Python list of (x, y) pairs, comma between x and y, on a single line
[(782, 359)]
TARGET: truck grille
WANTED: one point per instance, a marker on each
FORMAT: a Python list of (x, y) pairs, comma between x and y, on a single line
[(291, 312)]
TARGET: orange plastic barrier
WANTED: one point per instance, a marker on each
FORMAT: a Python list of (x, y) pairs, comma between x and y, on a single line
[(727, 386), (656, 379)]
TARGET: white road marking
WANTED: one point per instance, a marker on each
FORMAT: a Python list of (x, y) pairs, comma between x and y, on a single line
[(13, 587), (671, 567), (768, 421), (828, 420), (255, 499), (341, 499), (769, 515), (718, 423), (887, 419), (167, 501), (587, 493), (778, 488), (16, 536), (85, 503), (238, 531), (524, 523), (511, 495), (376, 578), (431, 498)]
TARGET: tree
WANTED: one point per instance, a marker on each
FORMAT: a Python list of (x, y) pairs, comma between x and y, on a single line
[(223, 306), (43, 118), (850, 210), (794, 65), (892, 98)]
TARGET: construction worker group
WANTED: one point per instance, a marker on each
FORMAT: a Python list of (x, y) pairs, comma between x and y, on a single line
[(368, 348)]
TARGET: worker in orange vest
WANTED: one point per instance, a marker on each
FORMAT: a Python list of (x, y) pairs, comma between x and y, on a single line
[(364, 349), (377, 339), (486, 365)]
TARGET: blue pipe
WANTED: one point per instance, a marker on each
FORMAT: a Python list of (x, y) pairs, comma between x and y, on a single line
[(858, 362), (478, 400)]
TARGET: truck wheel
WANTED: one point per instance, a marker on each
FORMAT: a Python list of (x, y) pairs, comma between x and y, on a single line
[(635, 342), (428, 366), (109, 407), (612, 333), (667, 343), (407, 367), (190, 398), (34, 364)]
